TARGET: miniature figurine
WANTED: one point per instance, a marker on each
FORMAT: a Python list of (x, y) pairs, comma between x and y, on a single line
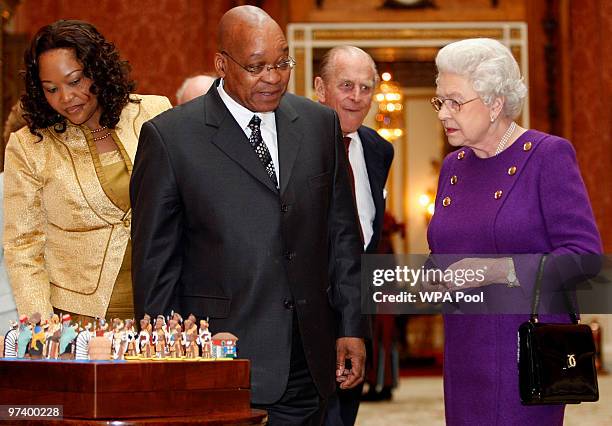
[(130, 334), (205, 339), (102, 330), (177, 317), (82, 343), (37, 345), (53, 336), (24, 337), (224, 345), (190, 338), (147, 317), (66, 343), (144, 338), (10, 341), (172, 341), (178, 330), (159, 337), (119, 339)]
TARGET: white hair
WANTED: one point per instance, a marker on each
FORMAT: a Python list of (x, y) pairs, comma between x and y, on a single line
[(490, 68)]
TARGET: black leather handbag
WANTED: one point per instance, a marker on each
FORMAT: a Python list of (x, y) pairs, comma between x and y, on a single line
[(556, 362)]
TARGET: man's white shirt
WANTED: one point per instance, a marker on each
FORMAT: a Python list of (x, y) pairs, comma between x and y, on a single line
[(243, 117)]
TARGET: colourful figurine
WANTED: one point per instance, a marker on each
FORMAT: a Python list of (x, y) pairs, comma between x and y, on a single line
[(66, 343), (10, 341), (174, 342), (119, 339), (177, 317), (37, 345), (178, 331), (53, 335), (130, 334), (205, 339), (102, 329), (190, 338), (24, 337), (159, 337), (82, 343), (144, 338), (224, 345), (147, 317)]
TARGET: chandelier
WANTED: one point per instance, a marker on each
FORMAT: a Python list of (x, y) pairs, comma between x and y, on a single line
[(389, 118)]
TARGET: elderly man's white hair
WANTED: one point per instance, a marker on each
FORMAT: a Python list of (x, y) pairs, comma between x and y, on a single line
[(490, 68), (193, 87)]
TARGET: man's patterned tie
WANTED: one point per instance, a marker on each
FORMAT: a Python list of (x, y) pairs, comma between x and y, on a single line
[(261, 149)]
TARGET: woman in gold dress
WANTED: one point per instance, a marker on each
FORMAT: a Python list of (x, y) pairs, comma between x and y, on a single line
[(67, 206)]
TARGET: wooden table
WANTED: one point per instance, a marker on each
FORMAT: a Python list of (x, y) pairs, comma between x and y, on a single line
[(133, 392)]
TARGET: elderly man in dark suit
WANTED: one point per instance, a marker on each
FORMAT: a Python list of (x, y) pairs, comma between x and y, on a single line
[(346, 83), (243, 212)]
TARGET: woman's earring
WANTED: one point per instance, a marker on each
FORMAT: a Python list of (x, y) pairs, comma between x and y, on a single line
[(492, 119)]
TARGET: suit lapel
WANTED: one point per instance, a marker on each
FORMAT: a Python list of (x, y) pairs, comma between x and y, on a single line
[(289, 138), (128, 129), (231, 139), (374, 165)]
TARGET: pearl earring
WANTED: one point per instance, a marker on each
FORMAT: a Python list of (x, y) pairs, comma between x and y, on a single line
[(492, 119)]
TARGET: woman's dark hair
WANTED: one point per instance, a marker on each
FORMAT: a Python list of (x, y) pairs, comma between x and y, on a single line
[(101, 63)]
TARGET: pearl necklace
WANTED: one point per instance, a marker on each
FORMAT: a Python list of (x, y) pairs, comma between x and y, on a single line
[(98, 130), (505, 138), (99, 138)]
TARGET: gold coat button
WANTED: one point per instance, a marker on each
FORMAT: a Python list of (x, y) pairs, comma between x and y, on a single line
[(498, 194), (126, 223), (527, 146), (453, 180), (446, 201), (460, 155), (512, 170)]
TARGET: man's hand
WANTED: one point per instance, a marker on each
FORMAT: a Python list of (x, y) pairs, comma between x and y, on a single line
[(352, 349)]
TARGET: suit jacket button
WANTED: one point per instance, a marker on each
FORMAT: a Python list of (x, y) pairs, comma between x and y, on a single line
[(289, 255), (288, 304), (284, 208)]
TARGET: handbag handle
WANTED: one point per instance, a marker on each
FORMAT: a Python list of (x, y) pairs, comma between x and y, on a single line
[(535, 303)]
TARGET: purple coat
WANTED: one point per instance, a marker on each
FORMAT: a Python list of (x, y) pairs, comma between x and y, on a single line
[(543, 207)]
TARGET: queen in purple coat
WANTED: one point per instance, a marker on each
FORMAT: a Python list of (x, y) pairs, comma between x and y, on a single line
[(505, 190)]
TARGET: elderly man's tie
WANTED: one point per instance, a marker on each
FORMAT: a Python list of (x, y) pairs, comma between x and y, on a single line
[(347, 143)]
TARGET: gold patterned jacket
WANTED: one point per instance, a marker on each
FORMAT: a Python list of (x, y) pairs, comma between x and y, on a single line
[(64, 239)]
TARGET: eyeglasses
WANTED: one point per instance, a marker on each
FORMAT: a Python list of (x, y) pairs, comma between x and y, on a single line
[(255, 70), (453, 105)]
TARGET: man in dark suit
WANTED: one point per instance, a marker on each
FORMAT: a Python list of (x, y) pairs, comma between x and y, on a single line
[(243, 212), (346, 83)]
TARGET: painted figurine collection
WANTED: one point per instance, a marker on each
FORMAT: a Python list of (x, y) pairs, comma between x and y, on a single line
[(170, 338)]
